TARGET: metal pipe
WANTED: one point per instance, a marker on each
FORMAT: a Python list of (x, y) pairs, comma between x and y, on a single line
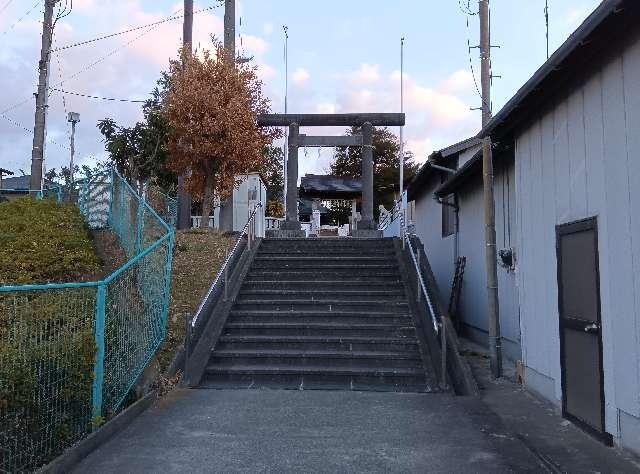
[(442, 168)]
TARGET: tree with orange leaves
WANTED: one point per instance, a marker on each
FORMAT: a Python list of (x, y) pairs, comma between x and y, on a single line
[(211, 107)]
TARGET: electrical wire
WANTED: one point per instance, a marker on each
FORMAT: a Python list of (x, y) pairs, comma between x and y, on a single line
[(473, 72), (5, 6), (26, 14), (130, 30), (87, 96), (30, 132)]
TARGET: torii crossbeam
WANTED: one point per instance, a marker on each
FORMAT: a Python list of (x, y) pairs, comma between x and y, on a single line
[(367, 226)]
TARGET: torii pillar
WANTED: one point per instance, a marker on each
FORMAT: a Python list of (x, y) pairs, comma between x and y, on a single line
[(367, 227)]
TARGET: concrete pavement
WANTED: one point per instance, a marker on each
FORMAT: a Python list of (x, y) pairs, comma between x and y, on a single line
[(312, 431)]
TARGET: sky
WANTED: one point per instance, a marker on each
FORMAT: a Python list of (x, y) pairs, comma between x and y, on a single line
[(344, 56)]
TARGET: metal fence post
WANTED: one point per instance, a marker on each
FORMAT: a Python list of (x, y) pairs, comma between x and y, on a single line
[(139, 224), (98, 371), (110, 218), (419, 270), (443, 344), (226, 277)]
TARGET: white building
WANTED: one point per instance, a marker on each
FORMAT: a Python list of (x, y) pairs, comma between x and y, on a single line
[(567, 199)]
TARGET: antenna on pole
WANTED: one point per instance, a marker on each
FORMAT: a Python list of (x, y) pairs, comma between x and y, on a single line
[(285, 28), (401, 188), (546, 17)]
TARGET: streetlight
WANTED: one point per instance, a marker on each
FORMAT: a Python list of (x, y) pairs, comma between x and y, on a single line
[(73, 118)]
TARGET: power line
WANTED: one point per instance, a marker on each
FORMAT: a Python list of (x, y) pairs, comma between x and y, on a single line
[(30, 132), (26, 14), (4, 7), (87, 96), (468, 14), (119, 33)]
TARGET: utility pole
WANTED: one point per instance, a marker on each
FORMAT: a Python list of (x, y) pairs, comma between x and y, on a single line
[(73, 118), (39, 129), (495, 349), (230, 30), (184, 198)]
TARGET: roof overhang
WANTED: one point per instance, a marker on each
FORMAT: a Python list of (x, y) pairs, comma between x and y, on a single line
[(613, 21)]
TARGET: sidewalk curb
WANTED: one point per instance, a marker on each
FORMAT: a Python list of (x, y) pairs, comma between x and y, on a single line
[(72, 456)]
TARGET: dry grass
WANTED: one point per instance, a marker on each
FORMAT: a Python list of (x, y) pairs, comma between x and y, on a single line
[(197, 258)]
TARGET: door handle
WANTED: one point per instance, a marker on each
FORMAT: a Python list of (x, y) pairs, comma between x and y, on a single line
[(592, 328)]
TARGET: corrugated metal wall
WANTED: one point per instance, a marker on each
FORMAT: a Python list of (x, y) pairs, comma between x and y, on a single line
[(473, 300), (582, 159), (440, 251)]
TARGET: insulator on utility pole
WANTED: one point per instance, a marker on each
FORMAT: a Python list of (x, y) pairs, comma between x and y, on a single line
[(493, 306), (39, 129)]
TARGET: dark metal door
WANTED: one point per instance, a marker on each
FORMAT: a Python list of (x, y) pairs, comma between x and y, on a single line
[(580, 325)]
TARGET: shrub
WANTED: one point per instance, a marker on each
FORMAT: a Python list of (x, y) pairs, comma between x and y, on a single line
[(47, 348), (43, 241)]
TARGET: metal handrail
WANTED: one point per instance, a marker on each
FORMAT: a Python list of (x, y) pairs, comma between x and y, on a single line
[(438, 326), (423, 287), (249, 230), (396, 211)]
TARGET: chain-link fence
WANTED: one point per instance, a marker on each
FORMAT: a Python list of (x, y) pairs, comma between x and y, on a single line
[(70, 353)]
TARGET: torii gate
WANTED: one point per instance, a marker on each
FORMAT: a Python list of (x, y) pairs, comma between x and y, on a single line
[(367, 226)]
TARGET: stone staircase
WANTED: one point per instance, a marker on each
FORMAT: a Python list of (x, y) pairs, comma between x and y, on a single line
[(322, 314)]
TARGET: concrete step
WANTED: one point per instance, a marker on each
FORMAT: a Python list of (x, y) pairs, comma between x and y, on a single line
[(344, 317), (326, 262), (319, 329), (340, 273), (305, 377), (324, 305), (319, 252), (320, 294), (314, 285), (313, 358), (326, 343)]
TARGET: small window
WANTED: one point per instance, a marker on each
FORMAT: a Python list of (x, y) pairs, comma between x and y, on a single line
[(448, 215)]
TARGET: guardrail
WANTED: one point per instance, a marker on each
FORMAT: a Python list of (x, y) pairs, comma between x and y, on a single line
[(392, 223), (220, 285), (438, 325), (71, 352)]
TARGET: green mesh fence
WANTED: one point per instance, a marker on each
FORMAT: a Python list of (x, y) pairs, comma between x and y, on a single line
[(70, 353)]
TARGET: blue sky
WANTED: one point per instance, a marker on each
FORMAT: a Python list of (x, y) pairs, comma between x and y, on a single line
[(343, 57)]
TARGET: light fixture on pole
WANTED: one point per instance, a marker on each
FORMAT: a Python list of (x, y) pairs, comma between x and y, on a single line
[(73, 118)]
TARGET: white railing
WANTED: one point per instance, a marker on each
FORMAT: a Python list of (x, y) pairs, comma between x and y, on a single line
[(196, 220), (392, 223), (223, 274), (438, 326), (273, 223)]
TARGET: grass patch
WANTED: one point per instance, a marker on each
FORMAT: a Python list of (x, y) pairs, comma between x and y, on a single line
[(44, 242), (197, 257)]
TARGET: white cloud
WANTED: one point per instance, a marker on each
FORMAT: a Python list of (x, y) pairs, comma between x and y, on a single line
[(459, 81), (366, 74), (267, 28), (438, 114), (575, 16), (132, 65), (301, 76), (420, 147), (326, 108)]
